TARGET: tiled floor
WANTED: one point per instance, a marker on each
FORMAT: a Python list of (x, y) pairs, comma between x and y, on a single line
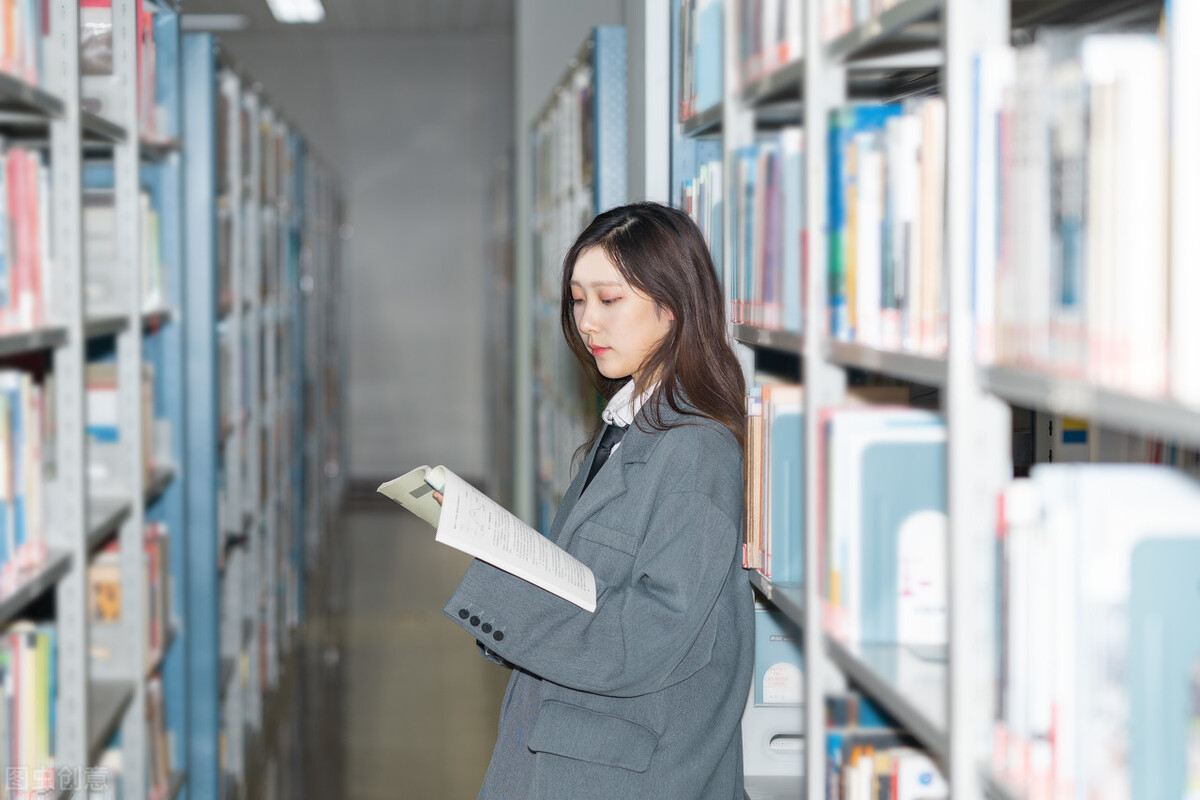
[(385, 698)]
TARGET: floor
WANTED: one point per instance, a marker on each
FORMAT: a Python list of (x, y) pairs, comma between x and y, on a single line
[(384, 698)]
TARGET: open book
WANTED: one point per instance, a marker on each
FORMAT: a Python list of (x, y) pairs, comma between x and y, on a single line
[(470, 521)]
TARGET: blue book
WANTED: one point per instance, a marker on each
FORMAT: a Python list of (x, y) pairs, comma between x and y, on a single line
[(749, 158), (778, 660), (1164, 666), (844, 124), (903, 586), (791, 142), (708, 61), (17, 409), (785, 483)]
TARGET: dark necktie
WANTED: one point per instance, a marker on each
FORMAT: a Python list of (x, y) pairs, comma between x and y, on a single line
[(608, 440)]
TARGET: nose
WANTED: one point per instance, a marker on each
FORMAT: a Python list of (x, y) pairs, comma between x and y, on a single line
[(585, 319)]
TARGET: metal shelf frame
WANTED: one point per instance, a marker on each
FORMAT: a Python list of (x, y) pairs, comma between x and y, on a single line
[(868, 666), (708, 122), (784, 341), (1148, 416), (882, 30), (783, 83), (106, 515), (33, 584), (788, 598), (925, 370), (108, 702), (34, 341)]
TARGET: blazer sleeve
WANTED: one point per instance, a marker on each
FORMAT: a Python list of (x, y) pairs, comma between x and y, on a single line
[(639, 638)]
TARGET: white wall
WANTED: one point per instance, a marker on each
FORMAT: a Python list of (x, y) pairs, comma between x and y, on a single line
[(413, 125)]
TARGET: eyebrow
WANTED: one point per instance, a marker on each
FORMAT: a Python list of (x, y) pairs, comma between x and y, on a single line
[(617, 284)]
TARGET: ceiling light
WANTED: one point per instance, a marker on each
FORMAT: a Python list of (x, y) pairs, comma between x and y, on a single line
[(297, 10)]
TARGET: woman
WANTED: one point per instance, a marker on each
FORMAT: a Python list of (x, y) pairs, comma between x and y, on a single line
[(643, 698)]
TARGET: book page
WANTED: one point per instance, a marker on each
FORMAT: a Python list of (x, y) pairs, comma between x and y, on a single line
[(475, 524), (411, 491)]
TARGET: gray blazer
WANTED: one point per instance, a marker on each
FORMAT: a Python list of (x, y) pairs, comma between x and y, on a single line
[(643, 698)]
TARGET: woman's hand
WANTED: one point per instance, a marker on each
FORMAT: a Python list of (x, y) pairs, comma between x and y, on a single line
[(437, 496)]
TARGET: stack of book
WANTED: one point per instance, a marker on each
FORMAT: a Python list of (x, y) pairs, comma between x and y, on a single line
[(887, 285), (703, 199), (105, 594), (1073, 256), (29, 686), (775, 482), (23, 425), (100, 85), (104, 427), (24, 239), (869, 757), (767, 226), (22, 48), (839, 17), (157, 582), (702, 32), (102, 281), (1099, 667), (770, 35), (883, 525)]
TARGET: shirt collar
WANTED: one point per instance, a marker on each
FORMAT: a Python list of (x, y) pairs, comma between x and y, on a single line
[(623, 406)]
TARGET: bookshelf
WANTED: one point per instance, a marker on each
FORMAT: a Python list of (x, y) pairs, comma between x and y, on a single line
[(263, 312), (579, 157), (911, 48)]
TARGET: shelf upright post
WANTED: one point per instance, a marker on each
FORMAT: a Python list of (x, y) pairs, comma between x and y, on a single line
[(129, 660), (252, 485), (200, 471), (269, 527), (824, 383), (979, 440), (234, 580), (66, 527), (171, 380), (302, 158)]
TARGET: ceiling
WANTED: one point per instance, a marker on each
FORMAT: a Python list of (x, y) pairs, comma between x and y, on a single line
[(374, 16)]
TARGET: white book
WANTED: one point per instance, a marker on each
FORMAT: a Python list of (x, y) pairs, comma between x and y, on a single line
[(1184, 33), (470, 521), (869, 248), (996, 69), (1135, 67)]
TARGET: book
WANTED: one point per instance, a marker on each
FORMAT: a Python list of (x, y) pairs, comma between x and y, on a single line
[(1072, 163), (1099, 657), (470, 521)]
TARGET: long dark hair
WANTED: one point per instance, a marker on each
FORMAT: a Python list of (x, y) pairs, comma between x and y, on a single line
[(660, 252)]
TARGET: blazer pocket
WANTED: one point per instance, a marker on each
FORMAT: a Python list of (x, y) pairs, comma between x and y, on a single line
[(609, 537), (581, 734)]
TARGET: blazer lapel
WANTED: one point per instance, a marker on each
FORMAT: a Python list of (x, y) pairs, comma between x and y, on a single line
[(572, 496), (608, 484)]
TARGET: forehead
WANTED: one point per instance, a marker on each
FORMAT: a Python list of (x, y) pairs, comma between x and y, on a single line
[(594, 267)]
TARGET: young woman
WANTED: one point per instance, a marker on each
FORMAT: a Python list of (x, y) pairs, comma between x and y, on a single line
[(643, 698)]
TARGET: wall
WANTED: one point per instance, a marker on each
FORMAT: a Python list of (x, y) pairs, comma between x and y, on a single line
[(414, 125)]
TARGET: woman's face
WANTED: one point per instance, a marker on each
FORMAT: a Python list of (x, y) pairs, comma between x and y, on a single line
[(618, 324)]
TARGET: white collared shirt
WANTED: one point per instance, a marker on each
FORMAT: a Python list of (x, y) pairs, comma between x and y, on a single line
[(624, 407)]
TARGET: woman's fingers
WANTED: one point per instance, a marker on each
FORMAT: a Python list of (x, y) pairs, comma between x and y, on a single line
[(437, 496)]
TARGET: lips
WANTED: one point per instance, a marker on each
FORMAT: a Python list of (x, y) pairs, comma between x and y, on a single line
[(597, 351)]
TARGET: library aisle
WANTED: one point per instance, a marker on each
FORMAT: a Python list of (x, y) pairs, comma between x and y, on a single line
[(385, 699)]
